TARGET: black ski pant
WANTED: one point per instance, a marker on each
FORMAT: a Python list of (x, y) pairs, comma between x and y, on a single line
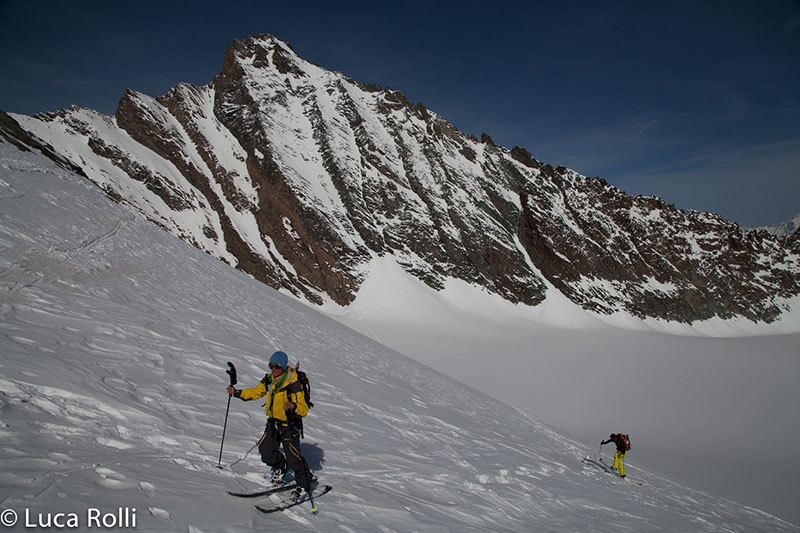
[(276, 433)]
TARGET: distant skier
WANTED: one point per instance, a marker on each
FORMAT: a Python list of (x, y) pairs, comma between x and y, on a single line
[(285, 407), (623, 445)]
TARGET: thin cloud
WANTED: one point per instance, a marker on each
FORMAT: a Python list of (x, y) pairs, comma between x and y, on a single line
[(757, 156), (598, 19), (754, 185)]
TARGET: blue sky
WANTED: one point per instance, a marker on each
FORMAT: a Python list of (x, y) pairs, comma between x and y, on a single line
[(695, 102)]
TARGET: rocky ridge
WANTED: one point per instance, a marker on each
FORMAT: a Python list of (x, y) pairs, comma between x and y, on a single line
[(300, 176)]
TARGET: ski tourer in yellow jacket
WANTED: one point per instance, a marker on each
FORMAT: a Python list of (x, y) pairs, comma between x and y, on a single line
[(283, 391), (286, 405)]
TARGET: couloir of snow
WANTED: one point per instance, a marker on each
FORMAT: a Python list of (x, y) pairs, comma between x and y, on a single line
[(115, 337)]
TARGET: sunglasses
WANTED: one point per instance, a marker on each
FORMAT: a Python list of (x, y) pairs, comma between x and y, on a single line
[(273, 367)]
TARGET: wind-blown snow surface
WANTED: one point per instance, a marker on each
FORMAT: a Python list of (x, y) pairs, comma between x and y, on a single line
[(114, 338), (713, 405)]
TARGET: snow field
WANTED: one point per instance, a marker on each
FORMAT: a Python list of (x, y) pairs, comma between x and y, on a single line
[(115, 336)]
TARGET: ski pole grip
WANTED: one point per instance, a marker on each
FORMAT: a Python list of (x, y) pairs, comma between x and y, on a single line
[(231, 373)]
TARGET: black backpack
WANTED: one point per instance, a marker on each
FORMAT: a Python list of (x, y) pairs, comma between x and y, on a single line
[(302, 377), (302, 384)]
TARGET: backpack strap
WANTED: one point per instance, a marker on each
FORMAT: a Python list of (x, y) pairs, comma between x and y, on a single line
[(293, 420), (302, 378)]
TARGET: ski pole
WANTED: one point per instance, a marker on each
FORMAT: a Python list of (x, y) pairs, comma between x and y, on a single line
[(232, 374), (314, 508)]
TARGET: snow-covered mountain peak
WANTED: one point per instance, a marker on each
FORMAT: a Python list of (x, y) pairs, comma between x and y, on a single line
[(787, 228), (301, 177)]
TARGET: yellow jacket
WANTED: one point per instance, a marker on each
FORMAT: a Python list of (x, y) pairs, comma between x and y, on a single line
[(290, 390)]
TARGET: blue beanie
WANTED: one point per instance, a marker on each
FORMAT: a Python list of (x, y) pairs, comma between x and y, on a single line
[(279, 358)]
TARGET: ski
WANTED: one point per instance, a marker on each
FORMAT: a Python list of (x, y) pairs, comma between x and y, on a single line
[(607, 468), (286, 505), (263, 492), (601, 464)]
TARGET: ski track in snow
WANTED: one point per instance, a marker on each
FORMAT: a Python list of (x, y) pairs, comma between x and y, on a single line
[(115, 338)]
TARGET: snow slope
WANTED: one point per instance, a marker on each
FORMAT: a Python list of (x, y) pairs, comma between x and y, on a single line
[(114, 338), (701, 402)]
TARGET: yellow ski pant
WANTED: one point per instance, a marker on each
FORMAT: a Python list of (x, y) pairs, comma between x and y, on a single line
[(618, 464)]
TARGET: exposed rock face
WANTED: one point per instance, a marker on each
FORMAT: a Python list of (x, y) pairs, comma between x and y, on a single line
[(300, 176), (643, 255)]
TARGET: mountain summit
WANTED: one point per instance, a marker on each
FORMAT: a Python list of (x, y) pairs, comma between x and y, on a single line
[(301, 177)]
